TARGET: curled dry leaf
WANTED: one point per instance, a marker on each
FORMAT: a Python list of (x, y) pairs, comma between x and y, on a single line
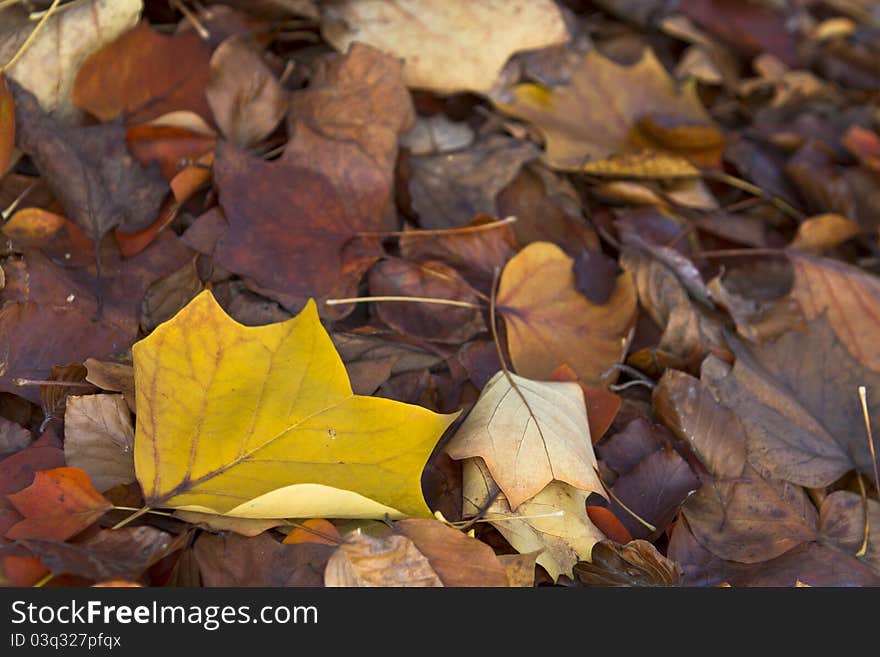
[(582, 127), (270, 427), (638, 563), (450, 189), (119, 80), (426, 321), (99, 439), (113, 376), (367, 561), (529, 433), (550, 323), (50, 64), (554, 522), (742, 515), (246, 99), (60, 503), (449, 47)]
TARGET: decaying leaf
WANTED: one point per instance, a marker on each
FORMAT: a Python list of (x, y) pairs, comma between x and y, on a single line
[(603, 114), (448, 47), (59, 504), (99, 439), (638, 563), (550, 323), (112, 376), (270, 428), (529, 433), (50, 64), (246, 99), (13, 437), (554, 522)]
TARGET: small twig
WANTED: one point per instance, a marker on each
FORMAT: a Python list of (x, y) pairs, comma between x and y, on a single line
[(7, 213), (444, 302), (30, 39), (43, 580), (746, 186), (433, 232), (45, 382), (137, 514), (150, 511), (863, 398), (623, 506), (866, 532), (192, 19), (617, 387), (733, 253)]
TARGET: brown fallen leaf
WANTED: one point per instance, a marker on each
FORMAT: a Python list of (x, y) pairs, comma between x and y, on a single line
[(842, 525), (294, 254), (49, 65), (450, 189), (119, 80), (690, 330), (743, 515), (112, 376), (474, 252), (824, 231), (550, 323), (54, 323), (60, 503), (168, 295), (217, 523), (99, 439), (108, 554), (801, 415), (529, 433), (89, 170), (167, 145), (452, 47), (581, 128), (426, 321), (233, 560), (638, 563), (847, 295), (547, 209), (53, 398), (246, 99)]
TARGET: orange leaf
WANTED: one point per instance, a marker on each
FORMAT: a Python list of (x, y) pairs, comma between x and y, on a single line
[(166, 145), (24, 571), (314, 530), (59, 504), (608, 524)]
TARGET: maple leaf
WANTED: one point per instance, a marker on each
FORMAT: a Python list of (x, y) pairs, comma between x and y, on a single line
[(445, 45), (550, 323), (529, 433), (261, 422), (59, 504), (611, 111)]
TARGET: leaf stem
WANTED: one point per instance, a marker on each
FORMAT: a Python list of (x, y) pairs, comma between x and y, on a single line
[(434, 232), (30, 39), (137, 514), (445, 302), (746, 186), (863, 398), (866, 532), (623, 506), (45, 579)]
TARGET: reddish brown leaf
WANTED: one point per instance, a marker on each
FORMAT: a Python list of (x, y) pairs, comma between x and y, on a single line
[(314, 530), (59, 504), (426, 321), (607, 523), (743, 515), (24, 571), (143, 75), (108, 554), (7, 124), (166, 145), (234, 560), (475, 252), (89, 170)]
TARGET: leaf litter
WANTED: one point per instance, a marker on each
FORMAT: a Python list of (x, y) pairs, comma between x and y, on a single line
[(430, 294)]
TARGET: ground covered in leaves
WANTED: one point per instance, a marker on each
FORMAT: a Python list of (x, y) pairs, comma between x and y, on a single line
[(439, 293)]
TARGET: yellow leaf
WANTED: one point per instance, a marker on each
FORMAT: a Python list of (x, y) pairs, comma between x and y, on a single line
[(550, 323), (824, 231), (529, 435), (605, 111), (449, 46), (261, 422), (554, 522)]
